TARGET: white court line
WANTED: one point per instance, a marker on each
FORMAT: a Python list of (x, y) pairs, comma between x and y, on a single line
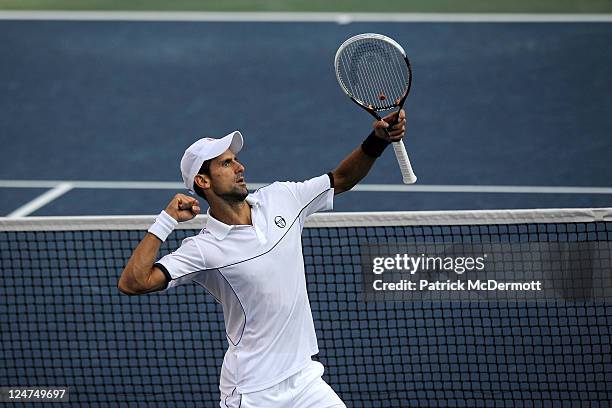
[(334, 17), (398, 188), (120, 185), (483, 189), (40, 201)]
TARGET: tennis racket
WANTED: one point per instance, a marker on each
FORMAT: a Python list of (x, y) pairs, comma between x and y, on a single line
[(374, 71)]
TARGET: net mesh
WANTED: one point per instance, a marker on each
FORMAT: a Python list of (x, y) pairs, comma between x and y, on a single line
[(64, 323), (374, 72)]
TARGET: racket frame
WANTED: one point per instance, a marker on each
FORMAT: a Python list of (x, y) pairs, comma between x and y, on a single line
[(398, 147)]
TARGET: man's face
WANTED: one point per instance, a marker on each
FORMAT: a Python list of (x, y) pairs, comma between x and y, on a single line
[(227, 177)]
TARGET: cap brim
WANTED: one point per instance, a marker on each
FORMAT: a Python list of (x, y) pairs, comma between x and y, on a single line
[(237, 141), (233, 141)]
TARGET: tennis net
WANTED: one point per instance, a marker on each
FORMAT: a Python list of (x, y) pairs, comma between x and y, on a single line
[(64, 322)]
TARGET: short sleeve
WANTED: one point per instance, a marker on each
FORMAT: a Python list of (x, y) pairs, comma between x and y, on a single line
[(181, 265), (313, 195)]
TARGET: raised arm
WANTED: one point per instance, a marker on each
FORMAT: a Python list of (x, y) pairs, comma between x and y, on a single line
[(359, 162), (139, 275)]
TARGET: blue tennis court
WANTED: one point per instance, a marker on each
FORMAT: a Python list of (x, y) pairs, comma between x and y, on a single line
[(492, 104), (96, 111)]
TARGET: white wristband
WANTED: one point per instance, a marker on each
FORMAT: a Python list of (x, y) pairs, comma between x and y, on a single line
[(163, 226)]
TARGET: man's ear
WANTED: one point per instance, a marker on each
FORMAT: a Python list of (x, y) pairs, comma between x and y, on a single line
[(202, 181)]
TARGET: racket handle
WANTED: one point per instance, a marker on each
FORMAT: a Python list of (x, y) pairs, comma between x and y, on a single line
[(402, 158)]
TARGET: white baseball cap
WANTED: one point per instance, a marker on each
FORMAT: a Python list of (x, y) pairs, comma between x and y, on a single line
[(206, 149)]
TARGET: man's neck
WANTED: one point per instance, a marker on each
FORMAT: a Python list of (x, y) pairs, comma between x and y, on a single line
[(231, 213)]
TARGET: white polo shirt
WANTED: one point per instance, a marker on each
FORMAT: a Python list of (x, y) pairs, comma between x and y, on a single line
[(256, 272)]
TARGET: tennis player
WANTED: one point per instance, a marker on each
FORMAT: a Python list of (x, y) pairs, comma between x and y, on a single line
[(249, 257)]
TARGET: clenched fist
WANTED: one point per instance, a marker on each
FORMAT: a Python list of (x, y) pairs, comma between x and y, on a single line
[(183, 207)]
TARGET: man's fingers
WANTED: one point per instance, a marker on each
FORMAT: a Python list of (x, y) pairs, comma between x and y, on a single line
[(399, 125), (392, 127), (380, 124), (401, 115), (395, 116), (390, 118), (195, 209), (396, 132), (184, 205), (184, 202)]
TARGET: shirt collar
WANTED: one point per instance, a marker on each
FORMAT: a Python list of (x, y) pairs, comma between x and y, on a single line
[(253, 202), (219, 229)]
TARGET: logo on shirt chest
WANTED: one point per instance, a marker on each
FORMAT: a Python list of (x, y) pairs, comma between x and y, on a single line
[(280, 221)]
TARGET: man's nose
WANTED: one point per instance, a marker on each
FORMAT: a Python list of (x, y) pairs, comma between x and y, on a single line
[(239, 167)]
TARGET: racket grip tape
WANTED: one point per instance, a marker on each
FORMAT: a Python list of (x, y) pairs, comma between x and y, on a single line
[(402, 159)]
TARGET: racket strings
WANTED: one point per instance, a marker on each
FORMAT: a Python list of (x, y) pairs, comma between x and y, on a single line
[(373, 77), (374, 72)]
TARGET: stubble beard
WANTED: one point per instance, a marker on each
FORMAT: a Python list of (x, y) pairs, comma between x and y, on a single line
[(236, 195)]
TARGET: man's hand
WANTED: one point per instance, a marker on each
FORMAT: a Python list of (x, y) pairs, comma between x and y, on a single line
[(183, 208), (395, 131)]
